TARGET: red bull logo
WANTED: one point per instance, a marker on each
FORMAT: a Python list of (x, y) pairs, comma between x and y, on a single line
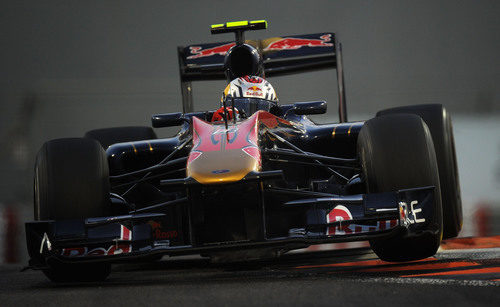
[(292, 43), (339, 213), (201, 53), (254, 91)]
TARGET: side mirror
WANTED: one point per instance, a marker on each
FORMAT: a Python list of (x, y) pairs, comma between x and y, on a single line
[(309, 108), (167, 120)]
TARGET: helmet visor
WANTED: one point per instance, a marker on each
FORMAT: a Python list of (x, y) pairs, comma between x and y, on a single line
[(248, 106)]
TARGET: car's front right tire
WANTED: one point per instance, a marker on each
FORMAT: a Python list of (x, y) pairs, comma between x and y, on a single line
[(72, 182)]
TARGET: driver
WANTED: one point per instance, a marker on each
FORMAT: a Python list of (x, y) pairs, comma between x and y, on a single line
[(245, 87)]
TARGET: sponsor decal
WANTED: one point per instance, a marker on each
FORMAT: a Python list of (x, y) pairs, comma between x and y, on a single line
[(254, 88), (408, 214), (292, 43), (220, 134), (341, 213), (220, 171), (201, 53), (159, 234), (254, 91), (358, 229), (254, 94), (99, 251)]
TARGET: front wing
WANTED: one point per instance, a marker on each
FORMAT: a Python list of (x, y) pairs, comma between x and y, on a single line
[(329, 219)]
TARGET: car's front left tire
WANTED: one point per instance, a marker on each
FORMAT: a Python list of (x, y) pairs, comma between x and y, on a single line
[(397, 152), (439, 122)]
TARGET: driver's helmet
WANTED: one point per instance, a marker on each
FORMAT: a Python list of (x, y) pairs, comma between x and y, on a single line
[(250, 87)]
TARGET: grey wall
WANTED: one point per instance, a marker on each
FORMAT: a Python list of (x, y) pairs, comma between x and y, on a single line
[(70, 66)]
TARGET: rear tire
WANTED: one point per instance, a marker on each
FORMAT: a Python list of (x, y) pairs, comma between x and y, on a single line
[(397, 152), (72, 182), (110, 136), (439, 122)]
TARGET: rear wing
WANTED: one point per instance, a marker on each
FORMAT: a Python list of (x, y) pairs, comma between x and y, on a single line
[(282, 55)]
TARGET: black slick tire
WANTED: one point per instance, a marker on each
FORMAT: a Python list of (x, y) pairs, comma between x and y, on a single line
[(397, 152), (72, 182), (439, 122)]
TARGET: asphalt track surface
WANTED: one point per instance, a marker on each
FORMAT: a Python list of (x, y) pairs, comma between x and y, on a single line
[(465, 272)]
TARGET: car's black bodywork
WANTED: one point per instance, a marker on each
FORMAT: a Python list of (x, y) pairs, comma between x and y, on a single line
[(284, 207), (310, 188)]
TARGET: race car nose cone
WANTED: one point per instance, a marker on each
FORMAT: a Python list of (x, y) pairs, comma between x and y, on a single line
[(222, 166)]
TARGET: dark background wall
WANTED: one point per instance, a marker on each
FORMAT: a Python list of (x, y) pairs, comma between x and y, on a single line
[(70, 66)]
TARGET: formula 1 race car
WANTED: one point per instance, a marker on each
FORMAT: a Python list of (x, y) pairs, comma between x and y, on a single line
[(251, 180)]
